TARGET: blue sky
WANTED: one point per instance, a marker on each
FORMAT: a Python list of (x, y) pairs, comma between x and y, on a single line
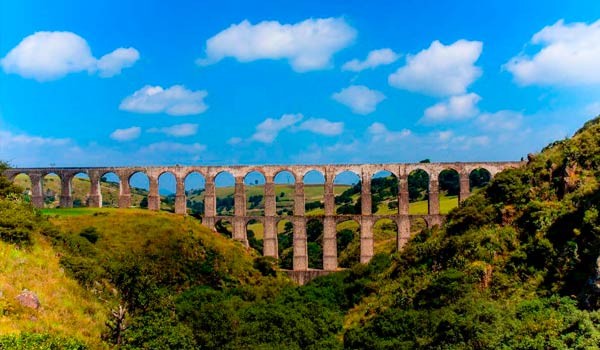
[(120, 83)]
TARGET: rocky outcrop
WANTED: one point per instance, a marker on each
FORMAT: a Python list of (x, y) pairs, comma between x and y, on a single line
[(29, 299)]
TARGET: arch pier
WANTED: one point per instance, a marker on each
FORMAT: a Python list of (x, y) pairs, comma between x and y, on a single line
[(366, 219)]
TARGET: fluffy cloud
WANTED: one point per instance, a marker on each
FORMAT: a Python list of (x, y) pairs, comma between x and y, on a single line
[(359, 98), (126, 134), (179, 130), (268, 130), (455, 108), (500, 121), (52, 55), (570, 55), (322, 126), (374, 59), (380, 133), (307, 45), (176, 100), (440, 70)]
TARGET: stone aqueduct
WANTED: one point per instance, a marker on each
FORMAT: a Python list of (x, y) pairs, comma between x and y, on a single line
[(299, 220)]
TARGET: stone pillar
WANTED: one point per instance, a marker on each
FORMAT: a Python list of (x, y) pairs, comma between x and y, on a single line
[(153, 196), (328, 195), (329, 244), (403, 231), (210, 203), (465, 190), (365, 195), (95, 196), (299, 205), (300, 260), (37, 196), (434, 201), (180, 198), (66, 196), (124, 191), (239, 220), (270, 224), (366, 239), (403, 195)]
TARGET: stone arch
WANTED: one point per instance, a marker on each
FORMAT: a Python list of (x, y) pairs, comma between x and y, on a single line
[(348, 233), (418, 190), (195, 190), (51, 189), (23, 180), (254, 190), (224, 227), (167, 189), (139, 185), (285, 243), (110, 189), (284, 185), (224, 191), (314, 242), (314, 192), (478, 178), (384, 193), (449, 189), (418, 223), (347, 190), (385, 235), (255, 228), (81, 188)]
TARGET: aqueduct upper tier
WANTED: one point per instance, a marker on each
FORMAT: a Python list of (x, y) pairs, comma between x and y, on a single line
[(329, 219)]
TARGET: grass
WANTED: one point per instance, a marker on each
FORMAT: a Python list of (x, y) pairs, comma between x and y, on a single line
[(67, 309)]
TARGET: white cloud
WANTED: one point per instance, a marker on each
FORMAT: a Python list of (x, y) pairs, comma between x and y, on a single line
[(112, 63), (374, 59), (176, 100), (307, 45), (440, 70), (570, 55), (126, 134), (8, 139), (359, 98), (52, 55), (235, 141), (504, 120), (173, 147), (322, 126), (380, 133), (454, 108), (267, 131), (179, 130)]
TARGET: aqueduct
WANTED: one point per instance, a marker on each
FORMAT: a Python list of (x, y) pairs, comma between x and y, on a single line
[(270, 219)]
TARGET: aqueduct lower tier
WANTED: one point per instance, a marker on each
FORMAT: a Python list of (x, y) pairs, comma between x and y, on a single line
[(329, 219)]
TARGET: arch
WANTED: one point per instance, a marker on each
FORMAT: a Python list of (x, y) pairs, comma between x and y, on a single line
[(385, 235), (81, 187), (139, 184), (449, 189), (255, 232), (314, 243), (110, 189), (224, 227), (285, 243), (224, 192), (51, 189), (284, 192), (384, 193), (478, 178), (195, 186), (418, 191), (347, 189), (167, 188), (24, 182), (348, 242), (418, 224), (254, 188), (314, 193)]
